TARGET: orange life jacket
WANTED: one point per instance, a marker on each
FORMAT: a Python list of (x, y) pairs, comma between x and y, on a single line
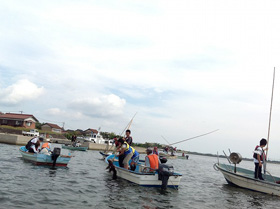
[(46, 145), (153, 161)]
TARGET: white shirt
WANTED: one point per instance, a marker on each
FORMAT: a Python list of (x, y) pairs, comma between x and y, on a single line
[(34, 140), (258, 151)]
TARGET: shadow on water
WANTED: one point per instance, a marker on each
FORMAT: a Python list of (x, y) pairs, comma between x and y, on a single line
[(52, 172)]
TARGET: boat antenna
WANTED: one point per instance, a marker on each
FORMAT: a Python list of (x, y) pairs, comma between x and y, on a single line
[(269, 122), (194, 137)]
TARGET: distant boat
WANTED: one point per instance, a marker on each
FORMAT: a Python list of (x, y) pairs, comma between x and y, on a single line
[(143, 178), (168, 156), (74, 148), (98, 139), (186, 157), (42, 159), (245, 178)]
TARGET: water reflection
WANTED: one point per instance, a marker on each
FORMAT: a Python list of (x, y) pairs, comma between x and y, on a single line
[(52, 172)]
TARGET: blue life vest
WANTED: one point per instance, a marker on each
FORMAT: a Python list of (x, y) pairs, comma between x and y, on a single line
[(128, 149)]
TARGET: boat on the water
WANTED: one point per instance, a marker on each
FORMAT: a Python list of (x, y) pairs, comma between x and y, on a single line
[(167, 156), (142, 178), (74, 148), (244, 178), (43, 159), (98, 139), (186, 157)]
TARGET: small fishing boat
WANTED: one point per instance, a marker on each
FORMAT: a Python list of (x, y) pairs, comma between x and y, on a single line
[(142, 178), (74, 148), (245, 178), (186, 157), (167, 156), (43, 159)]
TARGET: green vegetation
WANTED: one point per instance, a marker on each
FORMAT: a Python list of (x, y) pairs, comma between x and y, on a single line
[(38, 125), (109, 135), (148, 144)]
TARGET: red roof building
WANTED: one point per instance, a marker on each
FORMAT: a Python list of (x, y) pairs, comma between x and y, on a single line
[(18, 120), (51, 127)]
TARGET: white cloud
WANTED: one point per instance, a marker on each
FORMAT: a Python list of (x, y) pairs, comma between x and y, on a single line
[(186, 67), (55, 111), (21, 91), (103, 106)]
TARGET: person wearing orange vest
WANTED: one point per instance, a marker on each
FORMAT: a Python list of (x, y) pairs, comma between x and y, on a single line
[(46, 148), (151, 160)]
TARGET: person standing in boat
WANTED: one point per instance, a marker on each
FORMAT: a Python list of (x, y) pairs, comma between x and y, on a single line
[(155, 151), (259, 157), (126, 151), (128, 138)]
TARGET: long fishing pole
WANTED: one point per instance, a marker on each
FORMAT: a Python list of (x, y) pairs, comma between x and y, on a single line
[(129, 124), (127, 127), (269, 121), (165, 140), (194, 137)]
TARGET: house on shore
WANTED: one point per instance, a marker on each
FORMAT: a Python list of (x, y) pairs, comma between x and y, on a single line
[(18, 120), (90, 132), (51, 127)]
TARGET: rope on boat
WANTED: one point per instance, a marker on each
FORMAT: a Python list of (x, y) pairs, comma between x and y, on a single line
[(173, 184), (271, 176)]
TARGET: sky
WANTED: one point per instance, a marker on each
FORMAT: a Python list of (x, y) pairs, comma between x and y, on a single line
[(185, 67)]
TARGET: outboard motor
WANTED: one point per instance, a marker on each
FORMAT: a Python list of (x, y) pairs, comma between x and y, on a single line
[(164, 171), (162, 159), (55, 155)]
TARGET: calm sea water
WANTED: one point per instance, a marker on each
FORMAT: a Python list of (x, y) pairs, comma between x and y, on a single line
[(86, 184)]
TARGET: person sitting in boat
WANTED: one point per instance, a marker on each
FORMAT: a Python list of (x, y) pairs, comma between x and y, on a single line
[(155, 151), (34, 144), (127, 151), (128, 138), (151, 160), (78, 144), (134, 160), (259, 157), (46, 148)]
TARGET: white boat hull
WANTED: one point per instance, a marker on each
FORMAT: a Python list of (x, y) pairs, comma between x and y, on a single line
[(146, 179), (245, 179)]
